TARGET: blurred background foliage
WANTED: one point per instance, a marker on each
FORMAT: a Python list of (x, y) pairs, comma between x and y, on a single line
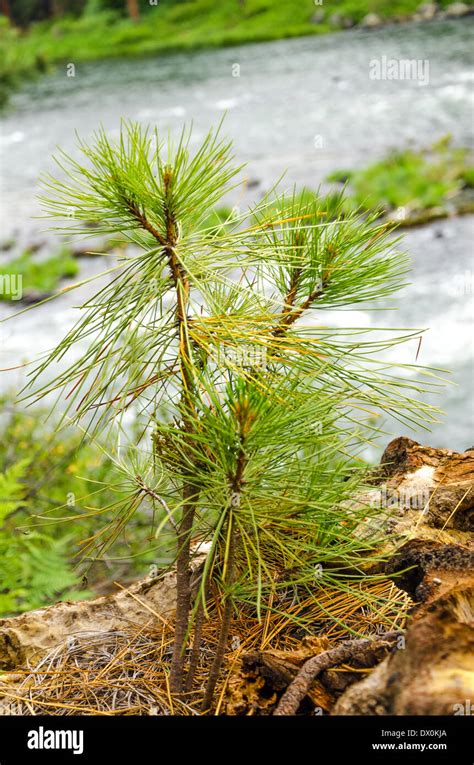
[(36, 34), (53, 483), (24, 12)]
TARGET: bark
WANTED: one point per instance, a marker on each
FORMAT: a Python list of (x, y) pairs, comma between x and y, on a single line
[(133, 9), (264, 676), (422, 492), (225, 625), (236, 489), (183, 593), (196, 649), (190, 491), (433, 672), (361, 649)]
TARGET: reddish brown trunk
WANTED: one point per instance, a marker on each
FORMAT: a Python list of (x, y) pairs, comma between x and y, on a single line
[(133, 9), (5, 9), (183, 592)]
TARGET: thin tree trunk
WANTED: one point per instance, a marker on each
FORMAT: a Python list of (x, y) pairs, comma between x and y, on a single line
[(183, 591), (5, 9), (235, 487), (188, 411), (133, 9), (196, 650), (225, 624)]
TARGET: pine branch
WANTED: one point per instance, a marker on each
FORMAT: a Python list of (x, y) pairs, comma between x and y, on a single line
[(144, 222)]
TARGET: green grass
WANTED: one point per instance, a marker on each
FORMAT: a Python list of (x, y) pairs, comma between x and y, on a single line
[(416, 180), (174, 26), (38, 277)]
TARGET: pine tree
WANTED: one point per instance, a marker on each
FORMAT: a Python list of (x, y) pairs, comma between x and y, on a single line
[(257, 412)]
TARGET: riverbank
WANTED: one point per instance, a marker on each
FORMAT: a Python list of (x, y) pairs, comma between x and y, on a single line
[(407, 188), (410, 187), (187, 26), (289, 93)]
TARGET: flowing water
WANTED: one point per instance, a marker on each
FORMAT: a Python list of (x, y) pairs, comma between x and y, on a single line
[(307, 106)]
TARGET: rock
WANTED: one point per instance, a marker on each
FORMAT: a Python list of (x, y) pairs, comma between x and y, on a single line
[(348, 22), (253, 183), (401, 18), (34, 247), (371, 21), (7, 244), (318, 17), (456, 10), (343, 178), (335, 20), (428, 11), (34, 296), (339, 21), (82, 252)]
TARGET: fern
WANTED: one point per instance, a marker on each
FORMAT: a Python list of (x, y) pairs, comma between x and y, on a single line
[(34, 568), (12, 490)]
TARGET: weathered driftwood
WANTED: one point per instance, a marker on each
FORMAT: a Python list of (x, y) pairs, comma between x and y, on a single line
[(363, 650), (264, 677), (427, 496), (30, 635), (429, 671), (448, 477), (433, 671), (422, 493)]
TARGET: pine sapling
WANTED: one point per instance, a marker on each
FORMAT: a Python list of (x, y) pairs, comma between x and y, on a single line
[(255, 411)]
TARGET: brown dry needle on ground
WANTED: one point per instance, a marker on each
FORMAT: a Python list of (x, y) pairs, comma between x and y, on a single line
[(126, 671)]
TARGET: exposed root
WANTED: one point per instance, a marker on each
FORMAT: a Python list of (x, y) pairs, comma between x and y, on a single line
[(362, 650)]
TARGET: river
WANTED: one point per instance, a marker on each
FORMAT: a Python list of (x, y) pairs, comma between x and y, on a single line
[(307, 106)]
